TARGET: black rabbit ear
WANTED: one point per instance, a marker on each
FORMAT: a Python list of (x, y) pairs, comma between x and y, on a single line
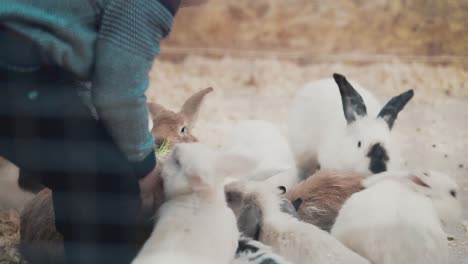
[(297, 203), (390, 111), (353, 105)]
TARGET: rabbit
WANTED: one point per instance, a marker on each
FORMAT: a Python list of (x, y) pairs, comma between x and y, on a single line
[(264, 143), (170, 127), (37, 218), (176, 127), (257, 209), (352, 133), (399, 217), (322, 194), (194, 222), (250, 251)]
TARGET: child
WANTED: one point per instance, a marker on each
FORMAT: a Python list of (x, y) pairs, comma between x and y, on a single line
[(92, 153)]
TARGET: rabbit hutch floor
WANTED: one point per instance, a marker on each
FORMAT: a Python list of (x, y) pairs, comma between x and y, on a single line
[(432, 129)]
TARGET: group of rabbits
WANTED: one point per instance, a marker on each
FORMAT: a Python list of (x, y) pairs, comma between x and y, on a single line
[(331, 191)]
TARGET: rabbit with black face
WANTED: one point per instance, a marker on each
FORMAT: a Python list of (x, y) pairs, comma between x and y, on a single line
[(343, 129)]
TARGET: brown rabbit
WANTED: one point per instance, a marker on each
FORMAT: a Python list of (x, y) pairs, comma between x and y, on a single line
[(323, 194), (176, 127), (42, 243)]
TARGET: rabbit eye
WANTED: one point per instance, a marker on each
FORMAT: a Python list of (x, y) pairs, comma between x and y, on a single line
[(282, 189), (453, 193), (359, 144), (183, 130)]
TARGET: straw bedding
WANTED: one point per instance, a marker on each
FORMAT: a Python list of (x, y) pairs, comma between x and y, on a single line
[(433, 127)]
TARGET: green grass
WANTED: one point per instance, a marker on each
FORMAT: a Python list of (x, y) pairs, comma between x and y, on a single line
[(163, 149)]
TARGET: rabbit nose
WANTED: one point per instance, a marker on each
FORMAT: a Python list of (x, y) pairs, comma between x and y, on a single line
[(378, 152), (378, 158)]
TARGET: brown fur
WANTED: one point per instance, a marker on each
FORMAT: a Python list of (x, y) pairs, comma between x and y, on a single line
[(168, 124), (323, 194), (40, 241)]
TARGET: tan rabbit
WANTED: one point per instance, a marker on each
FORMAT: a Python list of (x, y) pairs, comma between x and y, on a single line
[(42, 243), (323, 194), (176, 127)]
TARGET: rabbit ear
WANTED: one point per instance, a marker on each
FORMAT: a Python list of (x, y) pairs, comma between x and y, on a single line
[(417, 180), (390, 111), (191, 107), (197, 183), (249, 221), (353, 105), (155, 109), (297, 203)]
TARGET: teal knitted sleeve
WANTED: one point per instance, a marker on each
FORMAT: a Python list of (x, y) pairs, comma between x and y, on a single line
[(127, 43)]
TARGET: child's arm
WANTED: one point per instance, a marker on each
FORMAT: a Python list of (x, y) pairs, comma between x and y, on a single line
[(127, 43)]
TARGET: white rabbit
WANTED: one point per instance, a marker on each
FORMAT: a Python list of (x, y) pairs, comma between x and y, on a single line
[(194, 223), (257, 208), (336, 124), (398, 217), (262, 142)]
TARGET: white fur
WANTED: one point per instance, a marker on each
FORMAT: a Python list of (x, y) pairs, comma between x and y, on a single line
[(263, 142), (195, 225), (396, 220), (150, 122), (297, 241), (318, 131)]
